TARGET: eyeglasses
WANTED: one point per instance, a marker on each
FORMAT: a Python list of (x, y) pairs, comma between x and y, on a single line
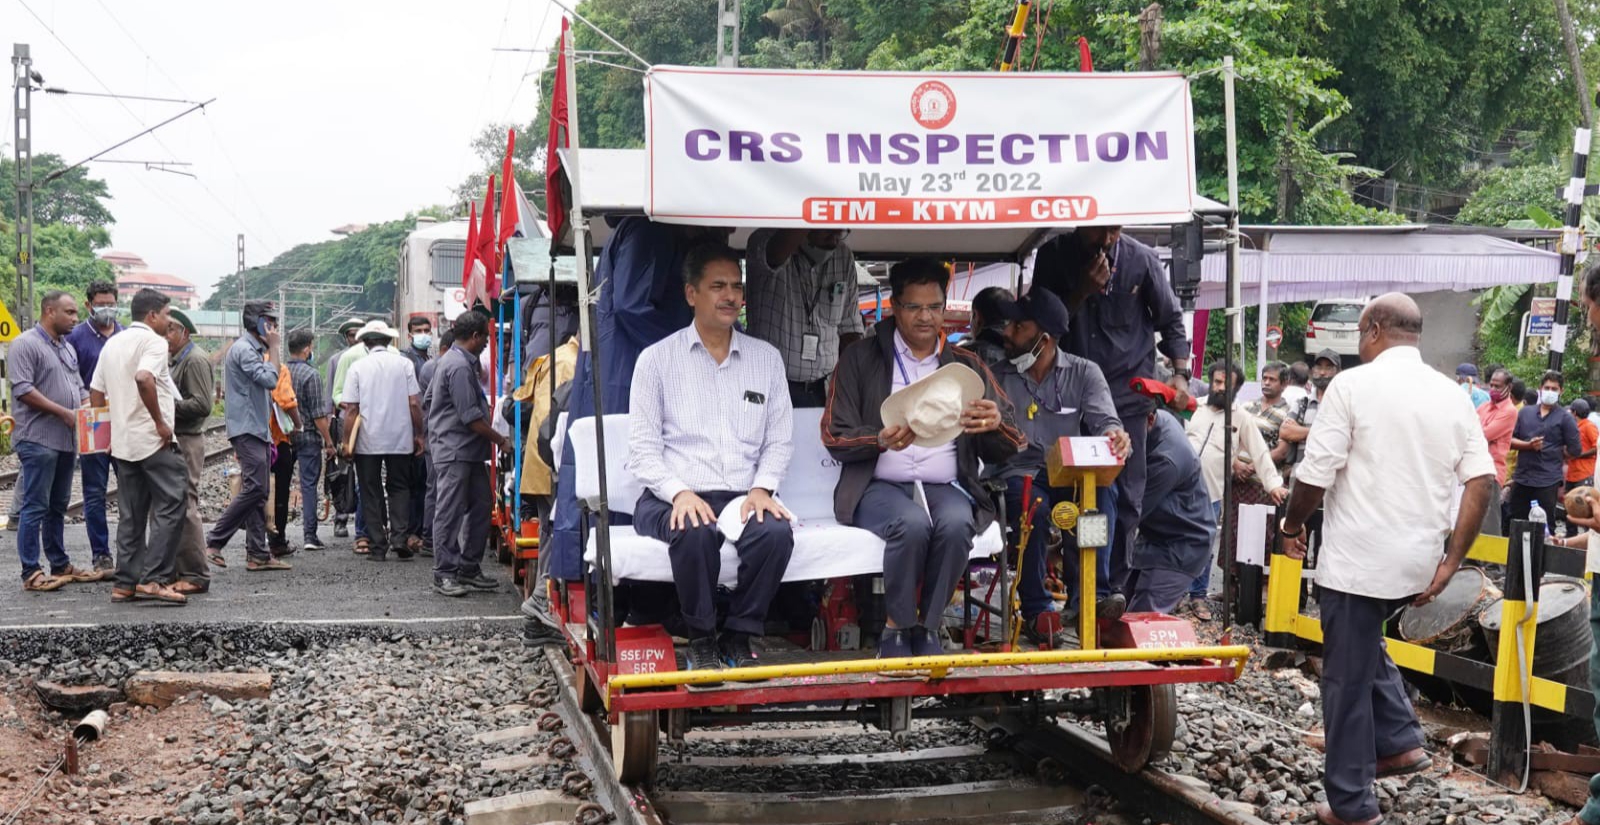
[(918, 309)]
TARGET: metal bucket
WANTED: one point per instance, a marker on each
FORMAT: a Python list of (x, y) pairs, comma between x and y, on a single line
[(1561, 648), (1447, 623)]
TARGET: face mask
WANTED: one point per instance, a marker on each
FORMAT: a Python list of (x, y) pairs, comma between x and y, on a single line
[(1497, 396), (422, 341), (104, 316), (1322, 383), (1025, 361), (1549, 398)]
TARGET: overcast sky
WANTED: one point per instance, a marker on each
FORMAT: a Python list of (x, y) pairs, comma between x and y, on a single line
[(327, 113)]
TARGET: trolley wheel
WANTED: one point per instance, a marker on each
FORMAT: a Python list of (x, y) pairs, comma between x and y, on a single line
[(589, 699), (634, 740), (1140, 723)]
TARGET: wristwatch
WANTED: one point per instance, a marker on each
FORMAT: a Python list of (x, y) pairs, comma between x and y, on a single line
[(1283, 531)]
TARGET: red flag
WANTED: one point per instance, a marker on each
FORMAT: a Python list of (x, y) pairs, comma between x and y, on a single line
[(470, 255), (488, 250), (555, 204), (1085, 62), (508, 200)]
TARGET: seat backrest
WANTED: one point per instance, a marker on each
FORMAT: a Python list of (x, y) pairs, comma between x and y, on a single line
[(621, 487), (807, 489)]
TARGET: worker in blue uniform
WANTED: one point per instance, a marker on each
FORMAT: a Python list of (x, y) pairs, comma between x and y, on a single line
[(1057, 395), (1120, 298)]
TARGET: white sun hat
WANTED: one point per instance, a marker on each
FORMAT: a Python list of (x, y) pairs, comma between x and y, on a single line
[(932, 406)]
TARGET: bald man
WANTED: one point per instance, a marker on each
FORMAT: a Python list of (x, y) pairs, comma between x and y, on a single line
[(1391, 442)]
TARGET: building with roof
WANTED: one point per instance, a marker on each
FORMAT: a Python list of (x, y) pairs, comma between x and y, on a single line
[(133, 274)]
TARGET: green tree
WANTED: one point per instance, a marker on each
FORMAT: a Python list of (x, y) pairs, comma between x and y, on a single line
[(74, 198), (1506, 193)]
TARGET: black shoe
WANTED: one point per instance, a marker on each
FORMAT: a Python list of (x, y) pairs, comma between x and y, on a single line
[(280, 551), (535, 634), (477, 581), (735, 650), (377, 556), (340, 531), (426, 549), (1062, 639), (449, 587), (1111, 607), (314, 544), (703, 656), (925, 642), (402, 554), (894, 644)]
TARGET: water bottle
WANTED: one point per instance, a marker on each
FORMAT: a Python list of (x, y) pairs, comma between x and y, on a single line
[(1537, 516)]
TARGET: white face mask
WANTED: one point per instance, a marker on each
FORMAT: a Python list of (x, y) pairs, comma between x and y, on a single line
[(1025, 361), (1549, 398)]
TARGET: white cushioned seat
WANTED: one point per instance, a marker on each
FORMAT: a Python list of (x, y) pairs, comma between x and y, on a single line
[(823, 548)]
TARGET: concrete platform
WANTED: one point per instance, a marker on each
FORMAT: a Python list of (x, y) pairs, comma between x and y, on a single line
[(333, 586)]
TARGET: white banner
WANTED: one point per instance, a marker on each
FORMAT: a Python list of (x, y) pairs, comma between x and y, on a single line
[(912, 150)]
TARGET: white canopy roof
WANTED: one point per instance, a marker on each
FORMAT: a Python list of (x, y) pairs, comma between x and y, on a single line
[(613, 183)]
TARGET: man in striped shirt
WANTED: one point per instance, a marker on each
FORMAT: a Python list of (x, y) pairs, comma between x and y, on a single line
[(711, 422)]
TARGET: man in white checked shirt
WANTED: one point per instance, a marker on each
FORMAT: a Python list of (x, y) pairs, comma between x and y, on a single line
[(711, 421)]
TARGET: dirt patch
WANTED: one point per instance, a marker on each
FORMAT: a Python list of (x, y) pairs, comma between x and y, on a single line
[(147, 762)]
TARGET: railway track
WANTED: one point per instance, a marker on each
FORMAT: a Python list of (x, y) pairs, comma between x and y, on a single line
[(1055, 771), (8, 479)]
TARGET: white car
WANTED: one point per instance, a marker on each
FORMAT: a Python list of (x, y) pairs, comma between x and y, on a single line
[(1333, 326)]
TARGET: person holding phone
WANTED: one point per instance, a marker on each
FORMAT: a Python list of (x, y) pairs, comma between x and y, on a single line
[(249, 374)]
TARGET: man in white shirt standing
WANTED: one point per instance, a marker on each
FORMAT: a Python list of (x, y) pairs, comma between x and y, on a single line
[(133, 379), (1390, 443), (711, 421), (382, 392)]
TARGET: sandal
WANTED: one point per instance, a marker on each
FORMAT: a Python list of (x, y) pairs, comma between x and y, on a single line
[(42, 582), (154, 592), (363, 546), (214, 556), (118, 595), (257, 566), (75, 574)]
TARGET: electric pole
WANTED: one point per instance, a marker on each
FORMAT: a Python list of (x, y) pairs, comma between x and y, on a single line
[(239, 273), (728, 33), (22, 140)]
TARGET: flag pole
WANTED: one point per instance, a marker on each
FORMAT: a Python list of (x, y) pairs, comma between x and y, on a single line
[(590, 345)]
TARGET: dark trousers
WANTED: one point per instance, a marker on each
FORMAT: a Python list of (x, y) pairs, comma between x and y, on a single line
[(1033, 566), (1158, 590), (809, 393), (152, 496), (462, 520), (1130, 499), (96, 468), (44, 486), (246, 511), (924, 550), (1591, 809), (309, 457), (696, 553), (1364, 707), (417, 511), (282, 479), (430, 496), (191, 565), (385, 499), (1523, 496)]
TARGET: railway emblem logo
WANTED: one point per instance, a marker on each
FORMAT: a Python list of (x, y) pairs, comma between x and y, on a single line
[(933, 105)]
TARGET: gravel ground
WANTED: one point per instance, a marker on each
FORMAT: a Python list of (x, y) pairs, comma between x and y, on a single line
[(214, 489), (363, 725), (1255, 741)]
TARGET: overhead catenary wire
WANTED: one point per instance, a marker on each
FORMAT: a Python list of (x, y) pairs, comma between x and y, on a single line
[(572, 10)]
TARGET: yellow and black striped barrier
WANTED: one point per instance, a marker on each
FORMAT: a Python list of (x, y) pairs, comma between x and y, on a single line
[(1285, 626)]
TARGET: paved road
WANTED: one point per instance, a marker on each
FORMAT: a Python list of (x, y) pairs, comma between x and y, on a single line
[(333, 586)]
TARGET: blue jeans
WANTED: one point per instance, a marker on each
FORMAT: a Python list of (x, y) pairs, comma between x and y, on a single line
[(46, 481), (96, 474), (309, 455), (1202, 585)]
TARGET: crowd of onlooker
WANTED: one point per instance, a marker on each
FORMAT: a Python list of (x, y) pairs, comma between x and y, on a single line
[(390, 435)]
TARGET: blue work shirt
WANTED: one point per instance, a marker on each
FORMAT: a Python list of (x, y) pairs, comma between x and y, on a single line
[(49, 367), (1116, 329), (1177, 525), (247, 384), (640, 278), (87, 341), (1548, 466), (1071, 401)]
